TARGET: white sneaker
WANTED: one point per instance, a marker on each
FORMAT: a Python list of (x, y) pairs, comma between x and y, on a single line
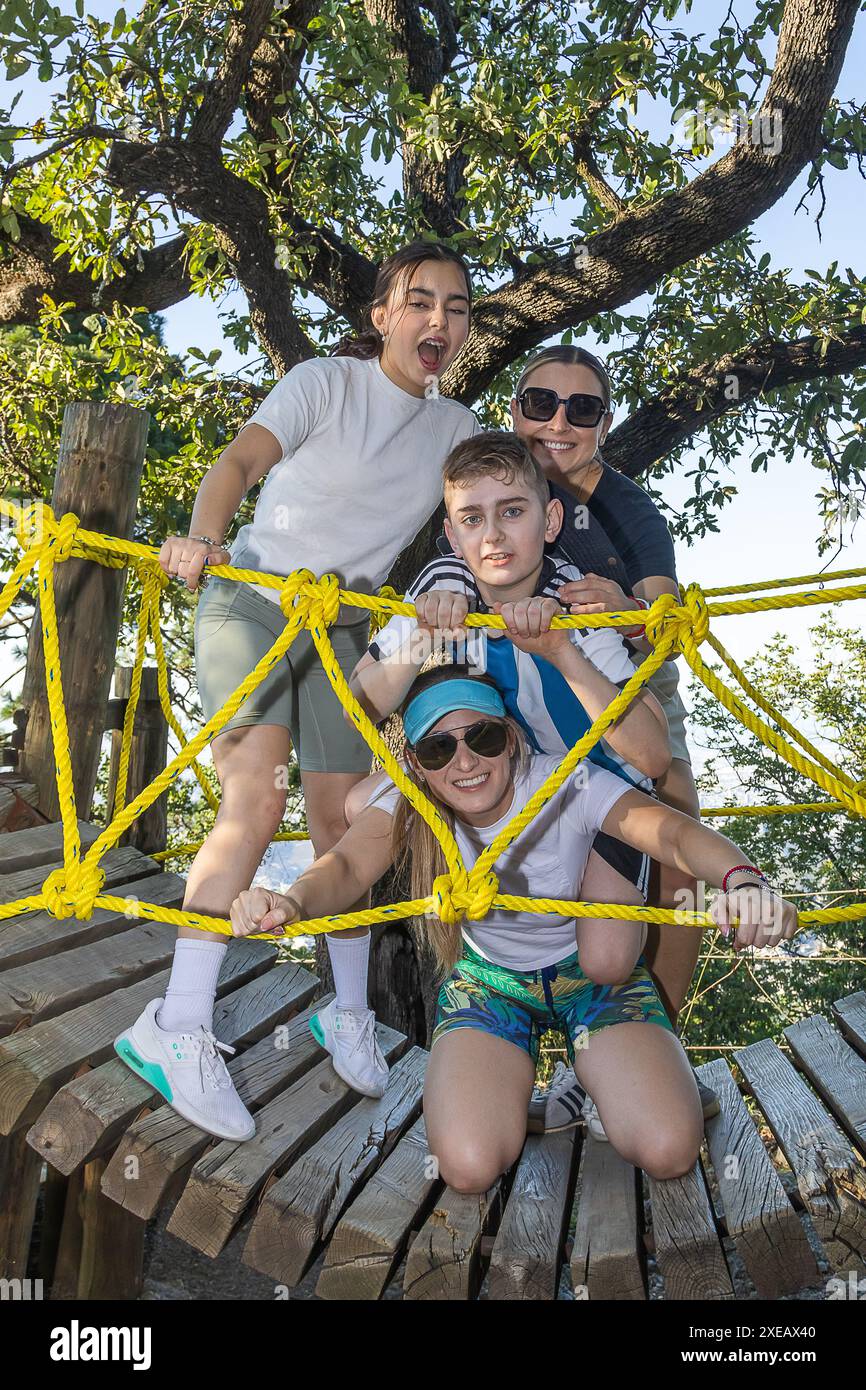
[(187, 1069), (593, 1121), (350, 1037), (556, 1107)]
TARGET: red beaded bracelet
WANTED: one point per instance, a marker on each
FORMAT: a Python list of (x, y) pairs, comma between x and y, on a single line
[(742, 869)]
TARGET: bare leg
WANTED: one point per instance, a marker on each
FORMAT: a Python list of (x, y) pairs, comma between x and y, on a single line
[(476, 1095), (325, 796), (607, 949), (640, 1079), (249, 815), (672, 951)]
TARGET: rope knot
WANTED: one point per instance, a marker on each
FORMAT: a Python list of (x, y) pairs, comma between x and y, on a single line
[(696, 606), (659, 617), (484, 891), (686, 623), (73, 895), (324, 597), (292, 587), (377, 619), (65, 532), (456, 896)]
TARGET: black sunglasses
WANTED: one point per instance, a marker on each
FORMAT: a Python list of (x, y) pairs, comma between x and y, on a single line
[(581, 410), (487, 738)]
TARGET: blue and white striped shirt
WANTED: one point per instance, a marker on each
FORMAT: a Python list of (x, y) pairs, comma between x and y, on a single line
[(536, 694)]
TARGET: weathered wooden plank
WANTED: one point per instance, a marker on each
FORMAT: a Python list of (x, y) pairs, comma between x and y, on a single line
[(369, 1240), (608, 1259), (20, 1169), (37, 1061), (16, 797), (444, 1259), (89, 1113), (301, 1208), (119, 864), (39, 845), (528, 1250), (836, 1071), (688, 1250), (227, 1178), (112, 1245), (7, 804), (45, 988), (35, 935), (164, 1145), (850, 1014), (830, 1177), (760, 1220)]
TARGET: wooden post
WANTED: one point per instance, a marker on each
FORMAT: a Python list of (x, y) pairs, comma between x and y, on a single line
[(147, 757), (98, 476)]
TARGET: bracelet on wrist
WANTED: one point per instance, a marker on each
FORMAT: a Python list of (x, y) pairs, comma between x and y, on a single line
[(745, 869), (639, 630), (207, 540)]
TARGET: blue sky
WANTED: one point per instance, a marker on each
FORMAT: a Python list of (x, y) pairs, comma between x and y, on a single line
[(770, 528)]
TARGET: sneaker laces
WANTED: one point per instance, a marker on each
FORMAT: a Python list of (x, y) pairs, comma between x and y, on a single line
[(209, 1060), (364, 1034)]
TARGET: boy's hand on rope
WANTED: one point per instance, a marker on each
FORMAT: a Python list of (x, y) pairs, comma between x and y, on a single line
[(527, 624), (441, 611), (184, 558), (759, 917), (260, 910)]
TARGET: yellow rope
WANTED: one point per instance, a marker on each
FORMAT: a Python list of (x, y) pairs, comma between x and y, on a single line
[(310, 603)]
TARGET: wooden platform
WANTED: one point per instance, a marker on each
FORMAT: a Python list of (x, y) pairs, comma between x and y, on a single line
[(345, 1184)]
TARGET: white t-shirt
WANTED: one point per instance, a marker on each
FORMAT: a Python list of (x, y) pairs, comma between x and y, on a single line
[(361, 473), (546, 861)]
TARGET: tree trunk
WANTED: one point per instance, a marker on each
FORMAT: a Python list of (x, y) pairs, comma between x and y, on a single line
[(99, 468)]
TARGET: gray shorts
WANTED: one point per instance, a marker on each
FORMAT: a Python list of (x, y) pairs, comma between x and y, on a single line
[(234, 627), (664, 686)]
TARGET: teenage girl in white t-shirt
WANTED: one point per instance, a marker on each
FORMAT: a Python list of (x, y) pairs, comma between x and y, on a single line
[(351, 450), (511, 976)]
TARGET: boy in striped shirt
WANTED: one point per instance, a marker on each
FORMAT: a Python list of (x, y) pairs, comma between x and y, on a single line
[(500, 523)]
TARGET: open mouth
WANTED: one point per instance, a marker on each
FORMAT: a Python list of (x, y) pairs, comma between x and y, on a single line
[(431, 351), (499, 558), (557, 446), (469, 784)]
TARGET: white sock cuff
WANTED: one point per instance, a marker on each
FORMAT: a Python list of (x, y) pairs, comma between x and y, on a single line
[(349, 962)]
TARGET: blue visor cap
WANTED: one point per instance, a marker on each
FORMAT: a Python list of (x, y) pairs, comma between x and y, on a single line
[(429, 707)]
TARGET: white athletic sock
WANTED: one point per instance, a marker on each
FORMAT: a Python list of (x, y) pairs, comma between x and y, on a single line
[(191, 991), (349, 959)]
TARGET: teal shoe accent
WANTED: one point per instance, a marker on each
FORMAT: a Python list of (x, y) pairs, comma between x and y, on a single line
[(149, 1071), (315, 1028)]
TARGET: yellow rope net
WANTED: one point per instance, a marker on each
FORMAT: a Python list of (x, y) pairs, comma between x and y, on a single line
[(75, 889)]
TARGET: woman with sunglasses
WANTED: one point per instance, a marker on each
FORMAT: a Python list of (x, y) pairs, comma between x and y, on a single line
[(616, 535), (511, 976)]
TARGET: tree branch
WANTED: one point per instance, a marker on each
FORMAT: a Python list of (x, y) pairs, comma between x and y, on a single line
[(627, 258), (196, 178), (32, 271), (223, 93), (429, 184), (687, 406)]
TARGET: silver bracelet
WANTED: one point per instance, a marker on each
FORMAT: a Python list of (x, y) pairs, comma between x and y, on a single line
[(207, 540)]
